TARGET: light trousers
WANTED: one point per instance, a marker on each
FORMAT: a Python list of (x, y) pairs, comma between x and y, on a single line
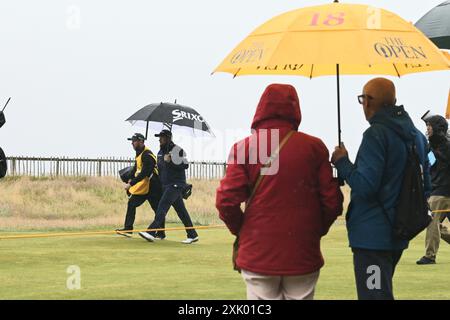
[(263, 287), (436, 230)]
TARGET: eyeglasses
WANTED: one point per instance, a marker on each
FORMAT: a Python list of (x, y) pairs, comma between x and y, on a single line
[(362, 97)]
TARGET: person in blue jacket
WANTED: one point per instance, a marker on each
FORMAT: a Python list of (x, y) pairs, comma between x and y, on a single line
[(172, 164), (375, 180)]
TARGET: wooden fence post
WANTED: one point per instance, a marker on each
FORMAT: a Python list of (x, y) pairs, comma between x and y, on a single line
[(99, 168), (57, 167)]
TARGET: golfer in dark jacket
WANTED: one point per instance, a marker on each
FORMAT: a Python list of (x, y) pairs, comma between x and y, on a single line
[(172, 164), (376, 179), (144, 186), (437, 127)]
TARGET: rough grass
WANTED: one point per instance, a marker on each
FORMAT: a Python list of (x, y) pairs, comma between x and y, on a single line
[(86, 202)]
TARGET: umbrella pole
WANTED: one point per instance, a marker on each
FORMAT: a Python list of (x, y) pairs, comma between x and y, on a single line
[(146, 131), (340, 180), (6, 104), (338, 105)]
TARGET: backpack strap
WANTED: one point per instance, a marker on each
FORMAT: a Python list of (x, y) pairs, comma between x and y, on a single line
[(409, 148)]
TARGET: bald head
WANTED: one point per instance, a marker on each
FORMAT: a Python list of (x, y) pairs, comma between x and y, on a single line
[(379, 93)]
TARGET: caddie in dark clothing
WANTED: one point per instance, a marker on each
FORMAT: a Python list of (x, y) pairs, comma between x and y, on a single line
[(144, 186), (376, 179), (439, 154), (172, 164)]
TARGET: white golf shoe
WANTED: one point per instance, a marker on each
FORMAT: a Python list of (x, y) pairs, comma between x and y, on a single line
[(147, 236), (190, 240)]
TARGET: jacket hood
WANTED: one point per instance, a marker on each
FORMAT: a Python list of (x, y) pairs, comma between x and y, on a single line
[(439, 124), (279, 106), (398, 120)]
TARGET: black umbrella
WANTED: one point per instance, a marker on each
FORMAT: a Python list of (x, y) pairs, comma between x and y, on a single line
[(436, 25), (3, 164), (2, 115), (170, 116)]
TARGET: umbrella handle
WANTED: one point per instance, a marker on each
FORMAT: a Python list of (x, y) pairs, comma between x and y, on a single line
[(6, 104), (338, 105), (168, 125)]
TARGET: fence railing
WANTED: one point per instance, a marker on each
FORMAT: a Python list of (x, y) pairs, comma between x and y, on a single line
[(109, 167)]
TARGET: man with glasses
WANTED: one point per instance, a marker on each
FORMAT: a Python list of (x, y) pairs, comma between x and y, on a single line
[(376, 179)]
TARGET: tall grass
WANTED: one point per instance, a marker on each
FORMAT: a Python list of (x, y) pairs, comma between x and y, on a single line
[(86, 202)]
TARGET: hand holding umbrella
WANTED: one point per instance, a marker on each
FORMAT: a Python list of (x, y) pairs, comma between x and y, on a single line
[(339, 153)]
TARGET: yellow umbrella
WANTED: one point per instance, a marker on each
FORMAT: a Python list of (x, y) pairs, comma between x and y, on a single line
[(335, 39), (447, 55), (447, 113)]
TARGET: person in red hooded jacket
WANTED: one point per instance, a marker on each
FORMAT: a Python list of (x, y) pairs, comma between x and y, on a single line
[(291, 210)]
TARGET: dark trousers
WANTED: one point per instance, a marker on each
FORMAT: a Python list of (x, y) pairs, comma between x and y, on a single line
[(374, 270), (172, 196), (135, 201)]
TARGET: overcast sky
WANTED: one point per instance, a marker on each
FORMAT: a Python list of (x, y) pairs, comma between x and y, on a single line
[(77, 69)]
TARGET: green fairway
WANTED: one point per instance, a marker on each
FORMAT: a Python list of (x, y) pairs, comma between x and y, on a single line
[(114, 267)]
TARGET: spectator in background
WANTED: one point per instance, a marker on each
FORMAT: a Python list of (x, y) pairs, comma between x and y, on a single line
[(292, 208), (437, 127)]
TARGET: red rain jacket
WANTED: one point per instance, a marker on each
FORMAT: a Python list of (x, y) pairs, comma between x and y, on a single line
[(280, 231)]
